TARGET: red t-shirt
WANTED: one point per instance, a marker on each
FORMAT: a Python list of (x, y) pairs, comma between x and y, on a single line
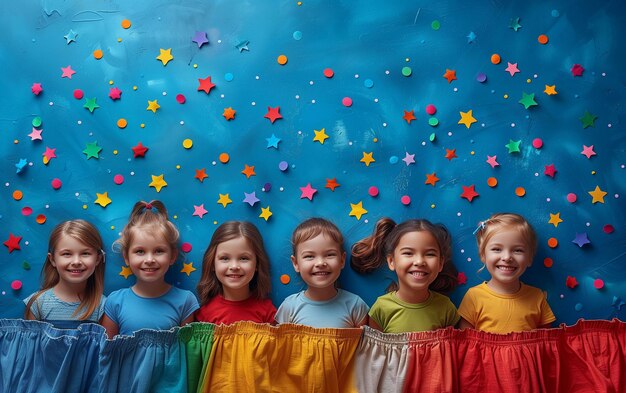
[(219, 310)]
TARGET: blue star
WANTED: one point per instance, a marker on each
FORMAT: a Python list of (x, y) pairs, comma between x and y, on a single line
[(581, 239), (251, 198), (200, 38), (243, 45), (515, 24), (71, 36), (20, 165), (272, 142), (471, 37)]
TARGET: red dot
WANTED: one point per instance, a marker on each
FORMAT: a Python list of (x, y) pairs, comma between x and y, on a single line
[(537, 143), (430, 109), (347, 101), (16, 285), (118, 179), (78, 94), (571, 197), (180, 98), (608, 228), (405, 200), (27, 211), (598, 283), (56, 183), (186, 247), (328, 73), (373, 191)]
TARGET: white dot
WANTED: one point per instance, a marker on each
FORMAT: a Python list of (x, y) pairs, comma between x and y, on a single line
[(91, 133), (257, 77), (455, 89), (562, 296), (281, 189), (263, 189), (609, 125), (512, 124), (182, 122), (297, 96), (6, 184), (219, 41), (4, 293), (26, 242), (47, 206), (311, 83), (79, 122), (132, 173), (622, 166), (423, 143), (449, 133), (214, 163), (366, 221), (375, 99), (350, 143), (536, 174), (616, 196), (384, 124), (356, 76), (76, 194), (535, 76), (588, 224), (469, 259), (221, 95), (462, 251), (51, 103), (312, 101), (164, 93), (482, 124), (253, 103), (604, 74), (547, 199), (458, 214)]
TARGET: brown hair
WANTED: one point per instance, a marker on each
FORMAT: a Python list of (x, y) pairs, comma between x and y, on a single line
[(499, 221), (87, 234), (312, 227), (260, 286), (370, 253)]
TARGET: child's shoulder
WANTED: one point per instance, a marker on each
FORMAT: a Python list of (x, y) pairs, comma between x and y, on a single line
[(349, 296)]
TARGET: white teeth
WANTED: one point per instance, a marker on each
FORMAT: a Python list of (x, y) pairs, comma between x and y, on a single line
[(150, 270), (507, 268), (418, 274), (321, 273)]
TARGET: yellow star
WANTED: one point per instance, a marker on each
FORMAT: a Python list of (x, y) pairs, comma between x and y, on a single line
[(555, 219), (224, 199), (357, 210), (165, 55), (265, 213), (368, 158), (157, 182), (550, 90), (153, 106), (188, 268), (320, 136), (126, 272), (467, 118), (598, 195), (103, 199)]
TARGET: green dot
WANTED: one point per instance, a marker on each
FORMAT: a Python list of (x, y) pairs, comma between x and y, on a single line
[(432, 137), (37, 121), (435, 25), (406, 71), (433, 121)]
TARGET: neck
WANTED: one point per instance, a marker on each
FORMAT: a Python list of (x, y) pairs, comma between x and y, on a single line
[(413, 297), (236, 295), (70, 292), (505, 288), (321, 294), (151, 289)]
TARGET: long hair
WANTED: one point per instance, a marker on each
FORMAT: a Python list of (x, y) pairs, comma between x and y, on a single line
[(87, 234), (260, 286), (501, 221)]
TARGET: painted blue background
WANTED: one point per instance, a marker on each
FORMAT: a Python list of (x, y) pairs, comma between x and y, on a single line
[(359, 41)]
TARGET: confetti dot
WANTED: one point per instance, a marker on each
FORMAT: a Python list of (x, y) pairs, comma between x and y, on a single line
[(122, 123), (97, 54), (373, 191), (185, 247), (328, 73), (17, 195), (432, 137), (495, 58), (433, 122), (180, 99), (285, 279), (224, 158), (405, 200), (598, 283), (16, 285), (282, 59), (435, 25), (481, 77), (543, 39), (56, 183), (27, 211), (78, 94), (368, 83), (492, 182), (267, 187), (393, 159), (537, 143), (520, 191), (553, 242), (187, 143), (571, 197), (228, 77), (608, 228), (41, 219), (548, 262), (118, 179), (347, 101), (283, 165), (578, 307), (297, 35), (431, 109), (36, 122), (126, 24), (406, 71)]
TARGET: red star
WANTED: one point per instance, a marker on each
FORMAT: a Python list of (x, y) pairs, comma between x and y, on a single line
[(450, 75), (115, 93), (408, 116), (571, 282), (140, 150), (273, 114), (332, 184), (450, 154), (13, 243), (201, 174), (550, 170), (461, 278), (205, 85), (431, 179), (577, 70), (248, 171), (469, 193)]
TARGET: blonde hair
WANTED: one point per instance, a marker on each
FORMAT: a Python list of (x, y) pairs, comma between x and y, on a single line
[(87, 234), (502, 221)]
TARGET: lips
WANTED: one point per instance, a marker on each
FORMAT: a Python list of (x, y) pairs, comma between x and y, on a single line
[(149, 269), (419, 274), (506, 268), (75, 271), (234, 275), (322, 274)]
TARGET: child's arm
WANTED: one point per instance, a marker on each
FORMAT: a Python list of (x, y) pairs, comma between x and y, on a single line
[(546, 326), (463, 324), (111, 327), (371, 323), (188, 320), (364, 322)]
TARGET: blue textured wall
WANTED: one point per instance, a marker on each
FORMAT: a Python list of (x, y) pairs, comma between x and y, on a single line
[(367, 46)]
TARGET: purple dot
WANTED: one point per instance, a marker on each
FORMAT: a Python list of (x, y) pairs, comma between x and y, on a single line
[(283, 165), (267, 187), (481, 77)]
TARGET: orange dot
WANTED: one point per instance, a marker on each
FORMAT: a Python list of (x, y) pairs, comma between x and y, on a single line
[(41, 219), (492, 182), (17, 195), (547, 262), (543, 39), (282, 59), (552, 242), (224, 158), (495, 58), (122, 123), (97, 54), (520, 191), (126, 23), (285, 279)]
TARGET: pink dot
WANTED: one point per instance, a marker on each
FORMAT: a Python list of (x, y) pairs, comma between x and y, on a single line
[(430, 109), (186, 247), (347, 101), (571, 197), (537, 143), (118, 179), (598, 283), (373, 191), (405, 200), (16, 285), (608, 228), (27, 211), (78, 94), (180, 98), (328, 73), (56, 183)]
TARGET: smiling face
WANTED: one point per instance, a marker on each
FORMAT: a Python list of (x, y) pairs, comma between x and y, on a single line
[(75, 261), (506, 256), (235, 266), (417, 261), (149, 256)]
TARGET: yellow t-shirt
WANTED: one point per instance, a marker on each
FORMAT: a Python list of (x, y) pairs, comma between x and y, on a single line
[(486, 310)]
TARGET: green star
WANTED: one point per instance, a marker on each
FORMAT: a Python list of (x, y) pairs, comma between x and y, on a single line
[(588, 119), (92, 150), (515, 24), (528, 100), (90, 103), (513, 146)]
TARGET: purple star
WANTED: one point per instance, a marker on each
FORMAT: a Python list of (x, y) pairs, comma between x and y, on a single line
[(581, 239), (251, 198), (409, 159), (200, 38)]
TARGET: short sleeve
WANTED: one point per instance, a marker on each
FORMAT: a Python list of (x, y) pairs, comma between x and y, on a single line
[(359, 311), (452, 315), (100, 310), (269, 312), (283, 314), (34, 309), (547, 316), (112, 307), (467, 309), (376, 313), (191, 305)]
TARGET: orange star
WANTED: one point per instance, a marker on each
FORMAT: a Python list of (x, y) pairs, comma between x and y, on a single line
[(201, 174), (229, 113), (332, 184), (450, 154), (450, 75), (248, 171), (431, 179), (368, 158), (408, 116)]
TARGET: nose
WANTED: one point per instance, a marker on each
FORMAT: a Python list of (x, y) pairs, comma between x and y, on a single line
[(506, 256), (233, 265), (417, 261), (76, 260), (320, 262)]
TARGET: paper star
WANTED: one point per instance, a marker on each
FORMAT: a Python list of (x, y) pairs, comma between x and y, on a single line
[(36, 135), (550, 90), (165, 55), (273, 114), (581, 239), (200, 38), (450, 75), (126, 272), (139, 150), (512, 68), (20, 165), (36, 88), (357, 210), (153, 106), (577, 70), (157, 182), (243, 45), (469, 193), (224, 199), (597, 195), (90, 103), (409, 159), (273, 141), (367, 158), (48, 155), (307, 192), (450, 154), (588, 151), (471, 37), (67, 72), (461, 278), (248, 171), (528, 100), (618, 303), (491, 160), (201, 174), (571, 282), (115, 93), (467, 118), (513, 146), (515, 24), (320, 136), (588, 119), (205, 84), (13, 243), (332, 184), (555, 219), (229, 113), (199, 211), (71, 36), (409, 115), (431, 178), (92, 150), (251, 198), (188, 268), (103, 199), (265, 213), (550, 170)]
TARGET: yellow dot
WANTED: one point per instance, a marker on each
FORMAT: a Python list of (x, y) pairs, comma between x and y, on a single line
[(134, 87), (187, 143), (195, 66), (16, 141), (122, 123), (432, 206), (282, 59), (112, 227), (214, 222), (177, 166), (84, 207), (126, 23), (119, 40), (224, 158), (285, 279), (528, 80), (407, 59), (593, 172), (506, 96), (299, 3), (175, 217), (97, 54), (114, 152), (472, 152), (17, 195), (375, 140), (142, 125), (110, 82)]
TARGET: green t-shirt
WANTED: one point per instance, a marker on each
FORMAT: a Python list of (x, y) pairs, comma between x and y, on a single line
[(395, 316)]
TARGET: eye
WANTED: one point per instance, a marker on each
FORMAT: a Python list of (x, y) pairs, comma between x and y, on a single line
[(331, 255), (407, 253), (307, 257), (223, 258), (65, 254), (245, 258), (495, 249), (431, 254), (519, 251), (139, 252), (87, 253)]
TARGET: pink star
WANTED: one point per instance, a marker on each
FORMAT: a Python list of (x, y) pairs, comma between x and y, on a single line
[(550, 170), (36, 88), (307, 192), (491, 160), (512, 69), (577, 70), (409, 159), (67, 72), (588, 151), (199, 210), (35, 135), (50, 153), (115, 93)]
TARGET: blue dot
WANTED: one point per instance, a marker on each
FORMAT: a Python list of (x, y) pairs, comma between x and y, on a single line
[(228, 77), (297, 35), (578, 306), (555, 13), (368, 83), (393, 160)]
